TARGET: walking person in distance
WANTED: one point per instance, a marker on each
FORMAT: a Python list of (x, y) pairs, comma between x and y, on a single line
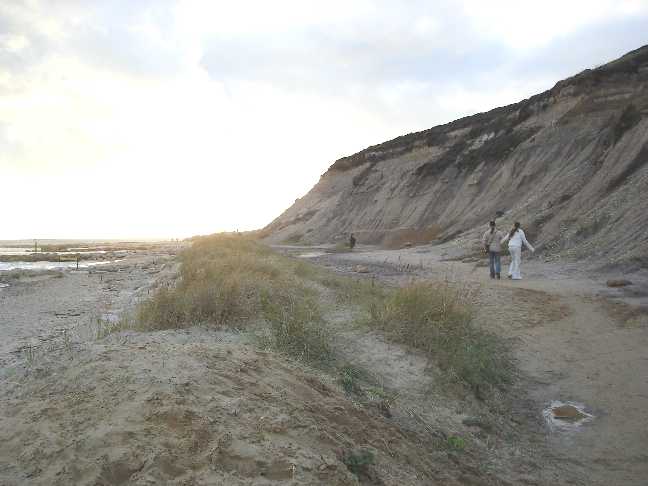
[(516, 238), (493, 246), (352, 241)]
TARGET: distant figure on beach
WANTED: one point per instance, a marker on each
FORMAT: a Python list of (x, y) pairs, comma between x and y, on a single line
[(492, 245), (516, 238), (352, 241)]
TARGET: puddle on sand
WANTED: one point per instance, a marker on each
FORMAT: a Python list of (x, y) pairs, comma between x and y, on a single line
[(566, 415), (312, 254), (8, 266)]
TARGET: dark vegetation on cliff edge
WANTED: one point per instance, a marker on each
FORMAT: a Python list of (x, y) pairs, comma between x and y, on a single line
[(495, 119)]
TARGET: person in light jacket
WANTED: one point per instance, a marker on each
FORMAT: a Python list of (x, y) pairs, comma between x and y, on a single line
[(516, 239), (492, 245)]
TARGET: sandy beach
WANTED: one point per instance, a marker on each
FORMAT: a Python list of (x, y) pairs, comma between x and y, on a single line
[(42, 309), (208, 406)]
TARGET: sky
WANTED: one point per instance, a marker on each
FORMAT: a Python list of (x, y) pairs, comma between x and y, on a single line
[(166, 119)]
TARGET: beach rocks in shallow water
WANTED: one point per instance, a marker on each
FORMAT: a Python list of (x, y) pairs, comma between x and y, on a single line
[(619, 282)]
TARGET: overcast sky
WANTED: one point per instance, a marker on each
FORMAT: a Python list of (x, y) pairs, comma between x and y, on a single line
[(155, 118)]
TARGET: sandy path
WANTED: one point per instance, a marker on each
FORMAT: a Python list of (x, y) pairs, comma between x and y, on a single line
[(572, 343)]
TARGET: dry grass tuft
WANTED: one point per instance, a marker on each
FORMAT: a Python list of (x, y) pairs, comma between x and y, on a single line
[(438, 319), (229, 280)]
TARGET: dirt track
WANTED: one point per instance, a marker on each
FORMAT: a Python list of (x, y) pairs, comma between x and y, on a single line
[(575, 341)]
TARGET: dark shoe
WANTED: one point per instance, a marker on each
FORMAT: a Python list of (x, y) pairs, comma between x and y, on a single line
[(510, 276), (492, 275), (498, 276)]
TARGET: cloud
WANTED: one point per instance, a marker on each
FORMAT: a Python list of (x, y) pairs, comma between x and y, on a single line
[(195, 111), (409, 61), (112, 36)]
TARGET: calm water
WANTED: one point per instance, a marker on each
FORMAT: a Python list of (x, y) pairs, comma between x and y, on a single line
[(6, 250), (4, 266)]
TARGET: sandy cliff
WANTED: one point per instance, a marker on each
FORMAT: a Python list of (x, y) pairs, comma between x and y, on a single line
[(570, 163)]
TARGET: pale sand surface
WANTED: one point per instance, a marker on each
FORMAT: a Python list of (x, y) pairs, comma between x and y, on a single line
[(197, 406), (575, 339)]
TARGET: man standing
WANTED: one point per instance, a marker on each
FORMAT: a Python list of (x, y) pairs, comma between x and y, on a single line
[(492, 245), (352, 241)]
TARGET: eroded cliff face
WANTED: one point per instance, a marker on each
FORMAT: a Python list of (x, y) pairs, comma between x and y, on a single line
[(571, 164)]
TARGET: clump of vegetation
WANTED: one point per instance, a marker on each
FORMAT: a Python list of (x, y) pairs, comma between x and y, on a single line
[(230, 280), (438, 319), (358, 460), (297, 326), (350, 377), (233, 281), (456, 443), (356, 292)]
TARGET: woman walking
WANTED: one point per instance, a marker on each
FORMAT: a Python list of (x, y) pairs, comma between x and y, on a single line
[(516, 238), (492, 245)]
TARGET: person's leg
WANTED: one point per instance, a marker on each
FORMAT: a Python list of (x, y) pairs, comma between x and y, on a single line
[(498, 265), (516, 254), (510, 270), (491, 263)]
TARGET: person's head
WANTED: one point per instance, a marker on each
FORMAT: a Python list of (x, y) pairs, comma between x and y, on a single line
[(516, 226), (492, 226)]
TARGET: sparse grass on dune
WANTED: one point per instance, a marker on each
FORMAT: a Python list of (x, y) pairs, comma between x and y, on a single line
[(438, 319), (228, 280), (296, 325), (232, 281)]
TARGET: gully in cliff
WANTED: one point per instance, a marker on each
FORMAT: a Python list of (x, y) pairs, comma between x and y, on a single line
[(492, 245), (516, 239)]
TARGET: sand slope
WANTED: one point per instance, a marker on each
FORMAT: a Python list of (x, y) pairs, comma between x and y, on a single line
[(192, 407)]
